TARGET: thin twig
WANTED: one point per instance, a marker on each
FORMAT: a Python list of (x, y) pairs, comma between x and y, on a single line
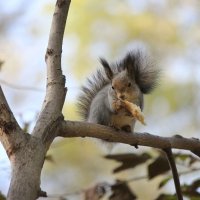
[(20, 87), (175, 174), (30, 88)]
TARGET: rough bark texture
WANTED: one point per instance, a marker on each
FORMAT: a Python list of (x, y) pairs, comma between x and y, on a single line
[(26, 164), (10, 131)]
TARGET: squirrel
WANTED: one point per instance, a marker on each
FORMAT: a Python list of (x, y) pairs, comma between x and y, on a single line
[(101, 100)]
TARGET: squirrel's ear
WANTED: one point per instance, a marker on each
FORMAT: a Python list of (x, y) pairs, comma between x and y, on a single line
[(129, 63), (107, 68)]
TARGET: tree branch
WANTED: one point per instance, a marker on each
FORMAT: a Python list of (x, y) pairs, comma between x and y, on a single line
[(56, 91), (175, 174), (10, 131), (83, 129), (20, 87)]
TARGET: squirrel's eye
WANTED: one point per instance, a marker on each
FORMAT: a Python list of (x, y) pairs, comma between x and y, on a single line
[(113, 88), (129, 85)]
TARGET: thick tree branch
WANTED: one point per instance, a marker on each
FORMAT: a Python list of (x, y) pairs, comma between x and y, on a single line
[(83, 129), (56, 91), (10, 131), (26, 164)]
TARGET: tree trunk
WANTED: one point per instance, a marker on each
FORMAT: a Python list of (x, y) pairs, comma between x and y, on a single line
[(26, 164)]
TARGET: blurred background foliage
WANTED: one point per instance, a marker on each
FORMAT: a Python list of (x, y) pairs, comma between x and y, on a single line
[(168, 29)]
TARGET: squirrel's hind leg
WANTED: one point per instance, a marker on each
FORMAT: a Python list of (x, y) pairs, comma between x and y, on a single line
[(126, 128)]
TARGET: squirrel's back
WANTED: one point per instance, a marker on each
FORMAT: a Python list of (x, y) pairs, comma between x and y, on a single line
[(88, 92)]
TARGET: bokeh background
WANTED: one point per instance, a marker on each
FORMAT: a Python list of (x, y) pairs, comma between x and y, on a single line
[(168, 29)]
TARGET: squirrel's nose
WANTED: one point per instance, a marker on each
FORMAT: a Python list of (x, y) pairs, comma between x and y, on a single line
[(122, 96)]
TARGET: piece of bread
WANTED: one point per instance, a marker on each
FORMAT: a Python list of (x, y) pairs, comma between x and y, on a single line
[(135, 111)]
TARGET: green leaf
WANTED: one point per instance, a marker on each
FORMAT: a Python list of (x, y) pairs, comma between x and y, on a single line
[(166, 197), (128, 160), (184, 157), (158, 166), (164, 182)]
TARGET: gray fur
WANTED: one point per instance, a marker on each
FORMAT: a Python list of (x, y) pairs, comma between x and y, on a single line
[(95, 100), (93, 86), (100, 110), (89, 91)]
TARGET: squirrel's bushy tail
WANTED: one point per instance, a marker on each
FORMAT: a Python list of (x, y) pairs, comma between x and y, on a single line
[(142, 69), (88, 92)]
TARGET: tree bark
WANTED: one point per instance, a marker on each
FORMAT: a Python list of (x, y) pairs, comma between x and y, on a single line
[(55, 87), (83, 129), (10, 131), (26, 165)]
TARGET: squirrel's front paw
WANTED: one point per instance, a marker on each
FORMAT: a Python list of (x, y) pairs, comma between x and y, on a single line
[(135, 111), (117, 105)]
